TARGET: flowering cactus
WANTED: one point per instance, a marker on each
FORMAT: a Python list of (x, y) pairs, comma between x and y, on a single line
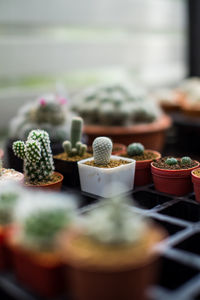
[(102, 149), (37, 156), (75, 147)]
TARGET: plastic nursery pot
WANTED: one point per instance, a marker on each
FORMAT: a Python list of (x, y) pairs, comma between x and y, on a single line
[(196, 184), (151, 135), (96, 181), (5, 253), (118, 149), (174, 182), (43, 273), (55, 186), (110, 272)]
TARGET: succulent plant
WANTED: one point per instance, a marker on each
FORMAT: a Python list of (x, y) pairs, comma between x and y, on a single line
[(116, 105), (186, 160), (113, 222), (171, 161), (102, 149), (37, 156), (74, 146), (135, 149)]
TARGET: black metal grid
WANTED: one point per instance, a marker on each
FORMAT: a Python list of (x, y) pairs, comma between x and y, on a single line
[(180, 273)]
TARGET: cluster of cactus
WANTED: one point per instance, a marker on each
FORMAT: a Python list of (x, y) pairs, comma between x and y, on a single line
[(47, 113), (74, 146), (185, 160), (135, 149), (37, 156), (113, 222), (102, 149), (116, 105)]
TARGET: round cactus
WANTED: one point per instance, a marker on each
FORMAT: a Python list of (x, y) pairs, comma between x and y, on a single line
[(171, 161), (186, 160), (135, 149), (102, 149)]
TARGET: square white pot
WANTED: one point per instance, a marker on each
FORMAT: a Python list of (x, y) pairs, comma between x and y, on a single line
[(97, 181)]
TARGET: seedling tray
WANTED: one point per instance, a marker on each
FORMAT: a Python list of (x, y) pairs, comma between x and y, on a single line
[(180, 272)]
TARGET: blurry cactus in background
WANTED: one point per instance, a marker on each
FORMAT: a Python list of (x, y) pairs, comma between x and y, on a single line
[(135, 149), (37, 156), (1, 166), (74, 146), (102, 149), (116, 105)]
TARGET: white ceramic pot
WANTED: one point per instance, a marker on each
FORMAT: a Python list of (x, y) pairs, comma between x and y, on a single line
[(97, 181)]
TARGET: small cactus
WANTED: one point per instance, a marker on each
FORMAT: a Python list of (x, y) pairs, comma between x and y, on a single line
[(37, 156), (135, 149), (186, 160), (102, 149), (74, 146), (171, 161)]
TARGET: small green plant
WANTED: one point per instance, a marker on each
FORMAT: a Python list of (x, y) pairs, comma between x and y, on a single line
[(135, 149), (102, 149), (186, 160), (37, 156), (74, 146), (171, 161)]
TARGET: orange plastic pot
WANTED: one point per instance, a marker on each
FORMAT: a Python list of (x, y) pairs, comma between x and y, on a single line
[(174, 182), (55, 186), (151, 135), (196, 184)]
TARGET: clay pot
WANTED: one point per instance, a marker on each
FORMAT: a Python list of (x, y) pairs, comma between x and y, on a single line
[(55, 186), (196, 184), (99, 278), (5, 253), (143, 170), (174, 182), (151, 135)]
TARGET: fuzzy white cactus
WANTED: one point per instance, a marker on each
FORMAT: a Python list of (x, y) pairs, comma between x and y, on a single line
[(102, 149)]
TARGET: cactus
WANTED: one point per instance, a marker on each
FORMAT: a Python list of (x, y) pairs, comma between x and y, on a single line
[(102, 149), (74, 146), (135, 149), (186, 160), (171, 161), (37, 156)]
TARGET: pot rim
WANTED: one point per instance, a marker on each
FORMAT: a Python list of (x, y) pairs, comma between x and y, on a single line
[(175, 171), (148, 160), (48, 184), (195, 176)]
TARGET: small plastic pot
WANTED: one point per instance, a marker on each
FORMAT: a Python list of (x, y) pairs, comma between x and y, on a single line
[(174, 182), (96, 180), (69, 169), (196, 184), (55, 186)]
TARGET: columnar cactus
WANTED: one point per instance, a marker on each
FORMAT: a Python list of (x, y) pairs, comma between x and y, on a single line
[(135, 149), (74, 146), (37, 156), (102, 149)]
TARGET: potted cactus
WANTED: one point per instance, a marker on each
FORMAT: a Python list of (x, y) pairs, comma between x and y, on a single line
[(10, 174), (196, 183), (38, 161), (74, 151), (111, 253), (102, 170), (143, 159), (173, 175), (37, 262), (122, 113)]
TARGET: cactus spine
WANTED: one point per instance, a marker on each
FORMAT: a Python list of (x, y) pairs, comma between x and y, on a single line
[(74, 146), (102, 149), (37, 156)]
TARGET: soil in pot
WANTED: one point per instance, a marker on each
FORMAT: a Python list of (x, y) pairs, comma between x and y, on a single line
[(196, 183), (173, 178), (55, 183), (69, 168)]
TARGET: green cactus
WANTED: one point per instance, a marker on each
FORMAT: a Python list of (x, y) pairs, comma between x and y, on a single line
[(102, 149), (171, 161), (74, 146), (37, 156), (186, 160), (135, 149)]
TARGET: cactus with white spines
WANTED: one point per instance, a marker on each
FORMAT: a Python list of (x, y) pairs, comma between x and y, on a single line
[(37, 156), (74, 146), (102, 149)]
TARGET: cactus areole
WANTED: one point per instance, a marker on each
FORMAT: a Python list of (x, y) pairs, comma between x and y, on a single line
[(37, 156)]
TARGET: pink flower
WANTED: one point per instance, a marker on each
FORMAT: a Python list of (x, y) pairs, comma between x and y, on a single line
[(62, 100), (42, 102)]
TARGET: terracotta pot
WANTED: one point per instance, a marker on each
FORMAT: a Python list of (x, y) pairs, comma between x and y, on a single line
[(43, 273), (6, 261), (108, 275), (55, 186), (174, 182), (151, 135), (196, 184), (143, 170)]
